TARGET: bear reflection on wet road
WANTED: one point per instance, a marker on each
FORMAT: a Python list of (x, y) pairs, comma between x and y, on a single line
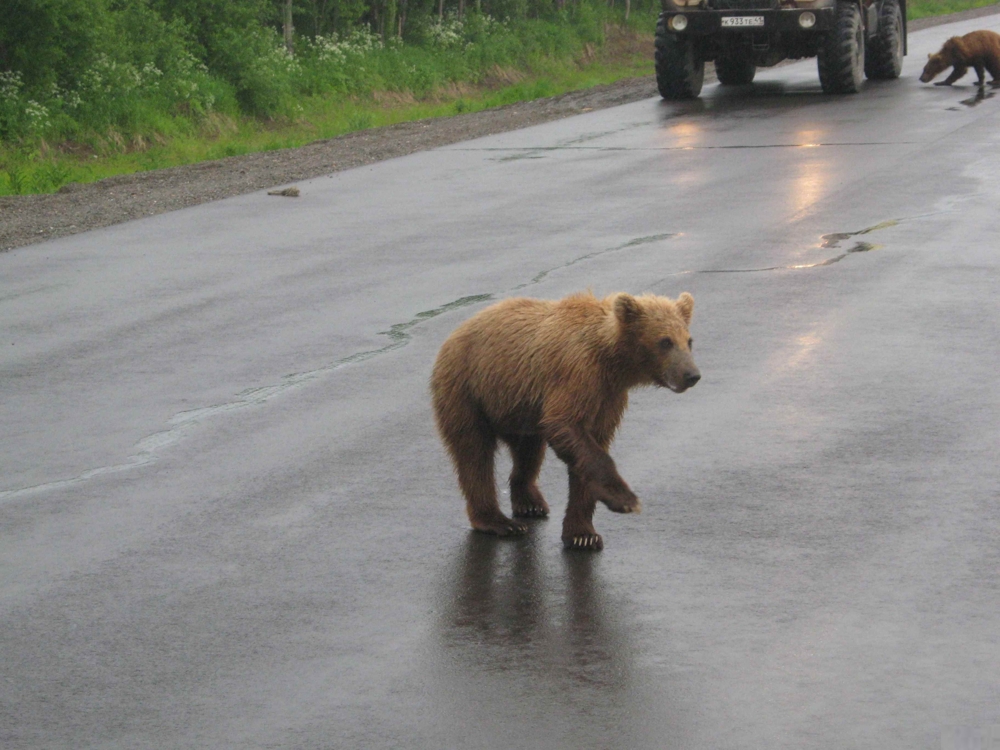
[(536, 648), (504, 610)]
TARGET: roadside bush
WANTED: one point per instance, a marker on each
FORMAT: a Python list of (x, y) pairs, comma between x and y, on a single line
[(259, 69), (47, 43), (72, 69)]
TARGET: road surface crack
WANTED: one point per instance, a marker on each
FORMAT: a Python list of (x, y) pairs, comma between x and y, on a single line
[(828, 241), (146, 450)]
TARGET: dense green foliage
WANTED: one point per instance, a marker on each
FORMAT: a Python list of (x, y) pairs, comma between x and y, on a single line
[(69, 68)]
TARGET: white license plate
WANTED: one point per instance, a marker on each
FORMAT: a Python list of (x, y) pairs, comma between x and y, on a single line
[(729, 21)]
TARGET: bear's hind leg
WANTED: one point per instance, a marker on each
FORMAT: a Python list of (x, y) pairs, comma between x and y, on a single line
[(578, 527), (527, 452), (993, 66), (473, 447)]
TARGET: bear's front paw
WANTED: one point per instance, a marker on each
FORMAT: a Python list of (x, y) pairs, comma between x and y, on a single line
[(619, 499), (528, 503), (499, 525), (531, 511), (590, 542)]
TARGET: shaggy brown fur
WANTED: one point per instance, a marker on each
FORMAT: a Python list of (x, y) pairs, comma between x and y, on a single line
[(536, 372), (979, 50)]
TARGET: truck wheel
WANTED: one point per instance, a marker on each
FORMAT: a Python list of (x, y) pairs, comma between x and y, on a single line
[(884, 56), (733, 71), (842, 52), (679, 71)]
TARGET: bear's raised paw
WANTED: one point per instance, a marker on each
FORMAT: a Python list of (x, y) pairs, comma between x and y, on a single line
[(619, 499)]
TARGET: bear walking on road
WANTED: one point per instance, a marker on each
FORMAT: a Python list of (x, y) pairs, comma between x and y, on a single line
[(533, 373), (979, 50)]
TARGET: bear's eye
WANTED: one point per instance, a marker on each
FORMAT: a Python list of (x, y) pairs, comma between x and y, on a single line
[(666, 344), (690, 344)]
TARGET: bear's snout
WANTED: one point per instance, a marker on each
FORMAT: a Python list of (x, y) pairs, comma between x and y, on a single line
[(686, 380), (679, 381)]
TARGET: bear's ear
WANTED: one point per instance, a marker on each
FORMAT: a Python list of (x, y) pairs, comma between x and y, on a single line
[(685, 306), (627, 308), (930, 55)]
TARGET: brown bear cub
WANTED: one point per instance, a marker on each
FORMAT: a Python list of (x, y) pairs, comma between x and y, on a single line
[(979, 50), (533, 373)]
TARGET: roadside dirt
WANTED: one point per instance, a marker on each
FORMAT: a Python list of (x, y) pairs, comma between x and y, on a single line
[(77, 208)]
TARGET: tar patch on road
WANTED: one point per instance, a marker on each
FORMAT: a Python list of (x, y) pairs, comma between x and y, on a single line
[(834, 240)]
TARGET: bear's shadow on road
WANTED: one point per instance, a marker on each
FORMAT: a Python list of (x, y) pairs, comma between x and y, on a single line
[(508, 612)]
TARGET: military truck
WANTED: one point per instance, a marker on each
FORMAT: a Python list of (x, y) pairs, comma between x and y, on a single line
[(850, 39)]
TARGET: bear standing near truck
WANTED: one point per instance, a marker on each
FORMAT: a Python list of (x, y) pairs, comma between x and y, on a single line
[(979, 50), (532, 373)]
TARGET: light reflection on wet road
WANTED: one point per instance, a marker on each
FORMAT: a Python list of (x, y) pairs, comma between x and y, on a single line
[(226, 521)]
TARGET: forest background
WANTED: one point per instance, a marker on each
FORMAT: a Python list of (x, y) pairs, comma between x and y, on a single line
[(92, 88)]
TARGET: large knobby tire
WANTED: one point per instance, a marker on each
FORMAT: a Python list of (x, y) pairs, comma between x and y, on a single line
[(680, 72), (841, 57), (884, 55), (734, 71)]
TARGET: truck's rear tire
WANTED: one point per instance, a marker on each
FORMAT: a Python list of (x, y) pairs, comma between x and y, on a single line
[(735, 71), (884, 55), (680, 72), (841, 55)]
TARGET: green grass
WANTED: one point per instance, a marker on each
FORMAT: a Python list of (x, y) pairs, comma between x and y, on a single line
[(46, 167), (925, 8)]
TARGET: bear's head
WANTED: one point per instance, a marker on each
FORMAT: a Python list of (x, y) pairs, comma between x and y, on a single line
[(941, 61), (935, 65), (654, 334)]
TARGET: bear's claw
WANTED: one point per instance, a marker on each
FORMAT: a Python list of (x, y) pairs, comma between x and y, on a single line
[(584, 542), (531, 511)]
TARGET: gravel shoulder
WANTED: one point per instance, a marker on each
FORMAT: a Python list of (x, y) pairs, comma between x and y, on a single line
[(28, 219)]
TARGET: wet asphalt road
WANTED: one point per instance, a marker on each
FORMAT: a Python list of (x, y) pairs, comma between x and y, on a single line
[(226, 521)]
